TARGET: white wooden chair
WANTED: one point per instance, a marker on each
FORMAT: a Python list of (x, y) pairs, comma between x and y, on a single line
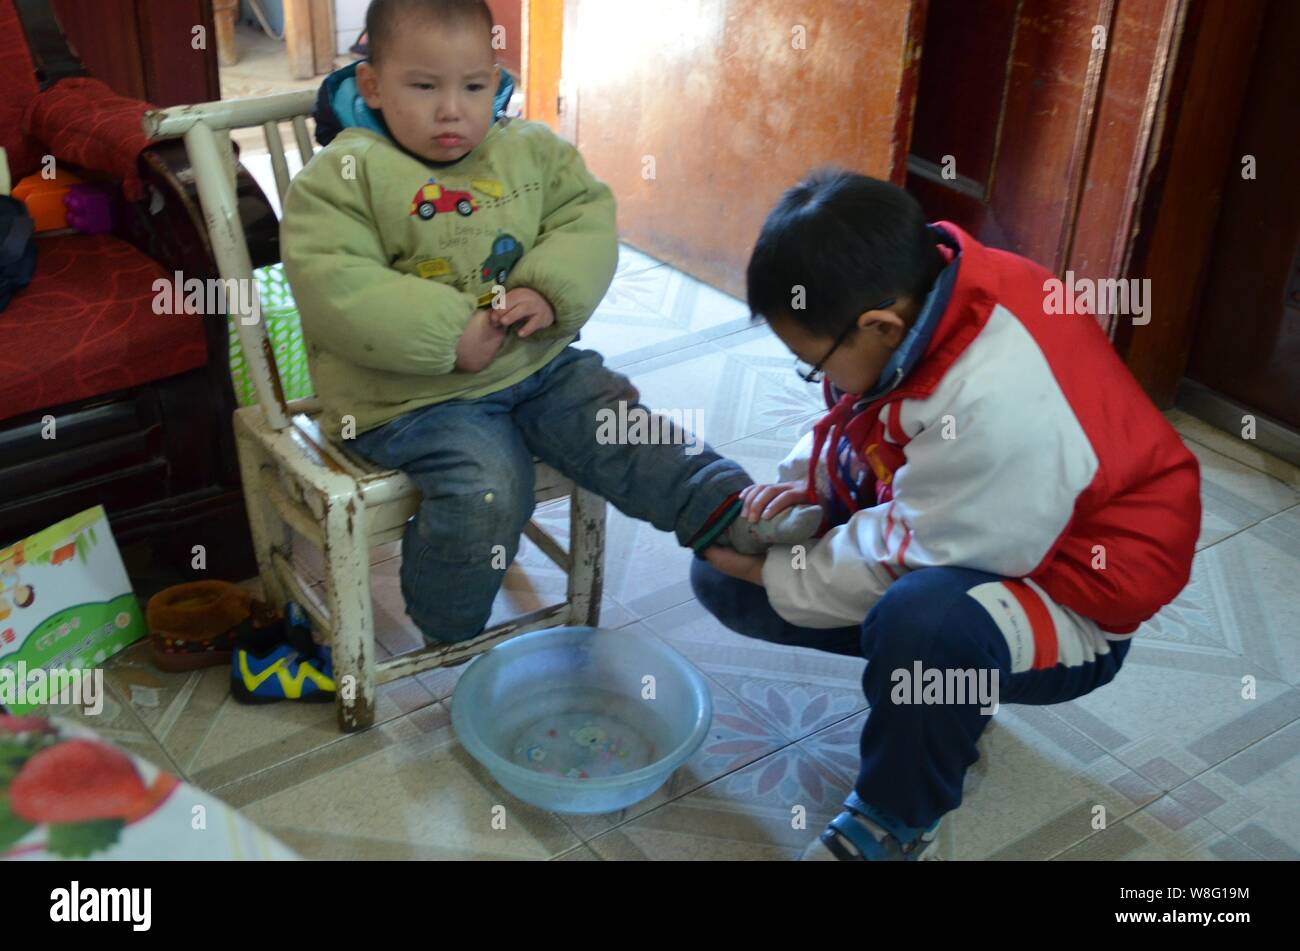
[(296, 479)]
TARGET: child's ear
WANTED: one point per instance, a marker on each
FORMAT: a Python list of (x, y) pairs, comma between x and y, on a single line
[(886, 325), (368, 84)]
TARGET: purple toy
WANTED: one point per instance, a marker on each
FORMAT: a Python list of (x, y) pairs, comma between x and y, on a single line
[(90, 209)]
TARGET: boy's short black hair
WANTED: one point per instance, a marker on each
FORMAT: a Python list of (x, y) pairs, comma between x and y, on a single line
[(849, 242), (385, 17)]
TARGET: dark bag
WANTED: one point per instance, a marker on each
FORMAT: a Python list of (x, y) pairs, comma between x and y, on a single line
[(17, 248)]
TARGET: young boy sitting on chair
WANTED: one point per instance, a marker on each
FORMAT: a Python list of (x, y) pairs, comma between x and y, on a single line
[(1002, 500), (443, 263)]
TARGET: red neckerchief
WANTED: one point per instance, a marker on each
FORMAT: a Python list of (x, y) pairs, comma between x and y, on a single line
[(826, 434)]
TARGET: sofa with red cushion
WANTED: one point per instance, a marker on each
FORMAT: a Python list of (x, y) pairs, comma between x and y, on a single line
[(138, 403)]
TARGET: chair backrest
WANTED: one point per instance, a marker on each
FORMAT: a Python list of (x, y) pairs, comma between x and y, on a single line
[(205, 129)]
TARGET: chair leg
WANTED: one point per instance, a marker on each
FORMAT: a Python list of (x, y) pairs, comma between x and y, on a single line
[(586, 557), (266, 527), (347, 592)]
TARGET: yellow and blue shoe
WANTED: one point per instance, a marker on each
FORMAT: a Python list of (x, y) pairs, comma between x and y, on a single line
[(282, 662)]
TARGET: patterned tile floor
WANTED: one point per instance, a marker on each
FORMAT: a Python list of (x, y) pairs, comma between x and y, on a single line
[(1182, 765)]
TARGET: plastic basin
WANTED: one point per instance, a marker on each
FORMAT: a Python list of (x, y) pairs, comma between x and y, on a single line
[(581, 721)]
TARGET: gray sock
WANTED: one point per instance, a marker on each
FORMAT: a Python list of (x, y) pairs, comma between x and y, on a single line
[(796, 524)]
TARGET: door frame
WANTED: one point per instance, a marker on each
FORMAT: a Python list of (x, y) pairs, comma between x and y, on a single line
[(543, 58)]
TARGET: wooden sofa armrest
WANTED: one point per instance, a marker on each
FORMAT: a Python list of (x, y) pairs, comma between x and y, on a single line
[(167, 224)]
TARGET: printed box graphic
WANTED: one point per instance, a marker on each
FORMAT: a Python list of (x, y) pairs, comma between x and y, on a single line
[(65, 599)]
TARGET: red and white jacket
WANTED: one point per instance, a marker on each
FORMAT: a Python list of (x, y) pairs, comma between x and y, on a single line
[(1019, 445)]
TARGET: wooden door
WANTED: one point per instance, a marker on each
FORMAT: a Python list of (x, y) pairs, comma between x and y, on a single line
[(700, 113), (143, 48), (1191, 154), (1033, 121), (309, 37), (1247, 341)]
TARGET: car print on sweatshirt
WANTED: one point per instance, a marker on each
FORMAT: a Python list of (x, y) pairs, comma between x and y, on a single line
[(506, 252), (433, 198)]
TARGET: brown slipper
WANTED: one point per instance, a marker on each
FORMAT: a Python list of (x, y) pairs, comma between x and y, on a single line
[(194, 625)]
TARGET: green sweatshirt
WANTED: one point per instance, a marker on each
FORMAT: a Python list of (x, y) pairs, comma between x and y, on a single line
[(389, 257)]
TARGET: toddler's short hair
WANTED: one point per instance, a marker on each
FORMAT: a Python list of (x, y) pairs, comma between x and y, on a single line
[(385, 17)]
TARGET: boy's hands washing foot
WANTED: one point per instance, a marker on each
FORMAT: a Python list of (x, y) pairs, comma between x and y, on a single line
[(729, 562), (769, 515), (772, 515), (767, 501)]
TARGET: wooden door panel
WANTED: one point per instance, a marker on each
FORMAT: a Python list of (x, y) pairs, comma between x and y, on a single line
[(963, 79), (1006, 94), (1140, 38), (1247, 341), (1053, 77), (1050, 131), (1193, 152), (143, 48), (700, 113)]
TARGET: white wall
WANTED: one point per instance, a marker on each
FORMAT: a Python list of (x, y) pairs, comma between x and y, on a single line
[(274, 10), (349, 20)]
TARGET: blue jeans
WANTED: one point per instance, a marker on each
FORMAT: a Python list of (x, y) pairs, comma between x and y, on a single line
[(914, 756), (473, 463)]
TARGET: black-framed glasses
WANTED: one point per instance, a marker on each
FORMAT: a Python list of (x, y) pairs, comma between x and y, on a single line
[(816, 373)]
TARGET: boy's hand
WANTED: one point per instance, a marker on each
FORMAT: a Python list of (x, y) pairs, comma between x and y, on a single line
[(769, 501), (479, 344), (525, 305), (731, 562)]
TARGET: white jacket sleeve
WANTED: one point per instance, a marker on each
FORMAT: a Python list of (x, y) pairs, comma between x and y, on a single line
[(794, 467), (993, 469)]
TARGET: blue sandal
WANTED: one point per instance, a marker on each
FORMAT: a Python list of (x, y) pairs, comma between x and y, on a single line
[(850, 840)]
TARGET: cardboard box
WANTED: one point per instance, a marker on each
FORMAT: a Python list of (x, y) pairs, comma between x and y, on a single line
[(65, 602)]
